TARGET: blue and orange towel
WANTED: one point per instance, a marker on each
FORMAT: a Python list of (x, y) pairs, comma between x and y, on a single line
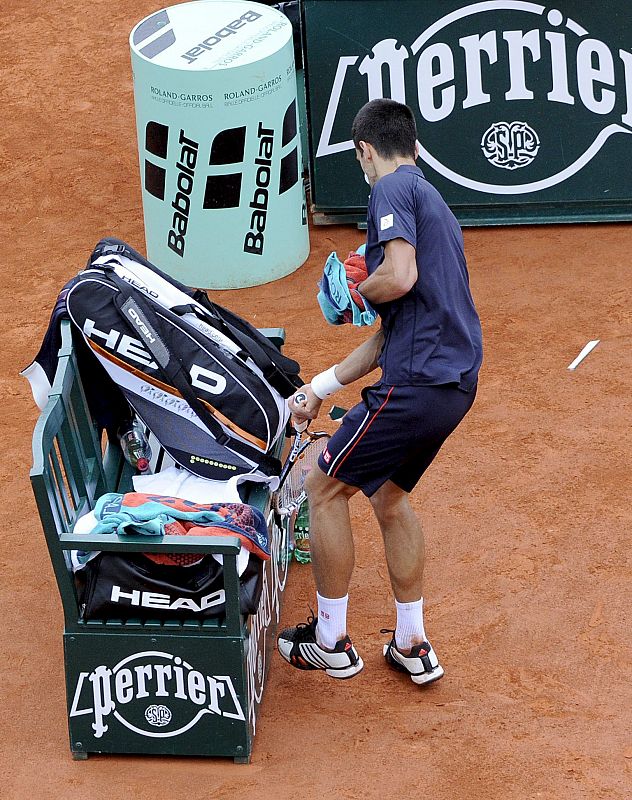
[(337, 298), (158, 515)]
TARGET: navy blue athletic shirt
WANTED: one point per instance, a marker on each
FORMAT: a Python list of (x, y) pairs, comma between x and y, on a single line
[(433, 333)]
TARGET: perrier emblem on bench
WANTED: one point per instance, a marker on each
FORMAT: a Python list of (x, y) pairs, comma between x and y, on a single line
[(153, 694)]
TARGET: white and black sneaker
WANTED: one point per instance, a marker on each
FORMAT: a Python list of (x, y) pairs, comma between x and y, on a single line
[(299, 647), (421, 664)]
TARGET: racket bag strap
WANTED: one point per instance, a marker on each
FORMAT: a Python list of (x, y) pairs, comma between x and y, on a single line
[(249, 347), (275, 375), (172, 369)]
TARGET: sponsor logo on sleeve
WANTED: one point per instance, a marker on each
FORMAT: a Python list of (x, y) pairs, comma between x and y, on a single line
[(386, 222)]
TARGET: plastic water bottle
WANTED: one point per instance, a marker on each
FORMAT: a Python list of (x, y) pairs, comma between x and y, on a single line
[(301, 535), (135, 446)]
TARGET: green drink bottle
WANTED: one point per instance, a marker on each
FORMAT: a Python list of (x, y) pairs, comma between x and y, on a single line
[(301, 535)]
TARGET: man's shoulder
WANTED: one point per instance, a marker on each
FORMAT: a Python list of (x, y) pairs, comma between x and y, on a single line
[(395, 185), (400, 177)]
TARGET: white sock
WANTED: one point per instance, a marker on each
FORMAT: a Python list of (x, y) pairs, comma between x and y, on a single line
[(332, 620), (410, 625)]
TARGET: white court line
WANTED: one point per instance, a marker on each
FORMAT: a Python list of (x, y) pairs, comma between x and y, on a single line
[(587, 349)]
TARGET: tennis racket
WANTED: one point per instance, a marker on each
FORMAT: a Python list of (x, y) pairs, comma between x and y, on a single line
[(303, 456)]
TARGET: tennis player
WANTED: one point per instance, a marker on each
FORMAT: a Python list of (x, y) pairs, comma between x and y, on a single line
[(429, 350)]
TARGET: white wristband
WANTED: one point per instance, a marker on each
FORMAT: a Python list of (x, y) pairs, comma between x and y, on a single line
[(326, 383)]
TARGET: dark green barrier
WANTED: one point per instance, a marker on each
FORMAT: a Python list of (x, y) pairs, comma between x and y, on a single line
[(523, 109)]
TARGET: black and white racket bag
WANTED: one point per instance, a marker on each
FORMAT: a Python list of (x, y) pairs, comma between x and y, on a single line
[(208, 384)]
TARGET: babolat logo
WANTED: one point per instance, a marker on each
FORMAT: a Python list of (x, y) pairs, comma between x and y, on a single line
[(135, 597), (212, 41), (513, 97), (224, 187), (182, 201), (153, 690), (154, 34), (157, 144), (253, 243)]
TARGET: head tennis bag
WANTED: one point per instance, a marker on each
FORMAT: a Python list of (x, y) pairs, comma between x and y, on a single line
[(113, 585), (209, 386)]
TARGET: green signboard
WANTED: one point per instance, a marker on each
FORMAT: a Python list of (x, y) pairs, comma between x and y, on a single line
[(523, 109)]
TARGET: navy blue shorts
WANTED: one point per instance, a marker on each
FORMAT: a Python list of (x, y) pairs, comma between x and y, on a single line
[(394, 434)]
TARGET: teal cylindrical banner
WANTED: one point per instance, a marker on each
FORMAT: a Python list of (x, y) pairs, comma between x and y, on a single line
[(219, 143)]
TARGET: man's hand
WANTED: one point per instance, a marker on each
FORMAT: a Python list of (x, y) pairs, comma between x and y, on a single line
[(309, 408)]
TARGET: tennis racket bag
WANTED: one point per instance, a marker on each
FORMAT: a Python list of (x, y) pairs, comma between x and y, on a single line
[(132, 586), (210, 387)]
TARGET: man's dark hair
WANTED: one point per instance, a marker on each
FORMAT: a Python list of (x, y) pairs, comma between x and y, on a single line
[(387, 125)]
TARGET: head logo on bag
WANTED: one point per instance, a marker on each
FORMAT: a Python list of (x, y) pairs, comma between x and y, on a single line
[(161, 602)]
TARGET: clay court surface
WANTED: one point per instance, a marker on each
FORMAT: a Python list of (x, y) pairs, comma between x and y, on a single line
[(527, 510)]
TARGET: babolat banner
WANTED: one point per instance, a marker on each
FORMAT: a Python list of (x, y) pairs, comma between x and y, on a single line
[(524, 110), (219, 143)]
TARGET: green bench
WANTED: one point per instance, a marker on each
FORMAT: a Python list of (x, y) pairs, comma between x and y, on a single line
[(144, 686)]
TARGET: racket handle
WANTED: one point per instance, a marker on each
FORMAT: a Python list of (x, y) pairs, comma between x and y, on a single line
[(299, 427)]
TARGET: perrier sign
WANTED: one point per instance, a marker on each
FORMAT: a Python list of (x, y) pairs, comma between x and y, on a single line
[(524, 110)]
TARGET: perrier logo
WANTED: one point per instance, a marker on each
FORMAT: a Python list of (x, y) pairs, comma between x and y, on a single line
[(512, 97), (153, 694)]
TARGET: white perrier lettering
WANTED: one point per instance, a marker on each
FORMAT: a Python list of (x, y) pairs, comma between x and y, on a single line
[(182, 201), (253, 243)]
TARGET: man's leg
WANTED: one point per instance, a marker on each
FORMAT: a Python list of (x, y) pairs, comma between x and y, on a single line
[(323, 642), (330, 537), (409, 650), (403, 541)]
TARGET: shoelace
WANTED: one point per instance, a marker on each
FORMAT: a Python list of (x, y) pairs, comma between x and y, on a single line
[(306, 631), (392, 644)]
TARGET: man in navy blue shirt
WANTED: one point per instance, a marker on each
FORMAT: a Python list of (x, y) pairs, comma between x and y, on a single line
[(429, 348)]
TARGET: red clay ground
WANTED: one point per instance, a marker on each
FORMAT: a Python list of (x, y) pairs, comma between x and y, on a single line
[(527, 510)]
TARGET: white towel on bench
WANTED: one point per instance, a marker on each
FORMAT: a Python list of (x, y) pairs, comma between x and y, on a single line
[(178, 482)]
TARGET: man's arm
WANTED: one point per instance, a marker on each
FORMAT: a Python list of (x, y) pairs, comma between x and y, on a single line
[(356, 365), (395, 276), (362, 360)]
